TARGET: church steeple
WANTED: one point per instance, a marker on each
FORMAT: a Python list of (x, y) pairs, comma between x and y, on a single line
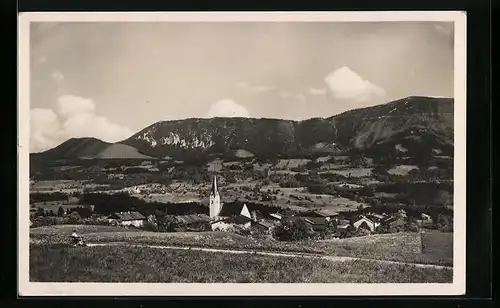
[(215, 204), (214, 191)]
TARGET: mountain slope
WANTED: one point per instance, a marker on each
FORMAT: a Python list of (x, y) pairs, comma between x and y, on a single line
[(414, 123), (90, 148), (414, 126)]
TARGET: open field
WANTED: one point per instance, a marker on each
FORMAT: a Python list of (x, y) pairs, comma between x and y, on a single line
[(437, 245), (56, 263), (403, 247)]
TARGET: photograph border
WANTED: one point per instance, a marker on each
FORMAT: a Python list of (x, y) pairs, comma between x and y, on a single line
[(27, 288)]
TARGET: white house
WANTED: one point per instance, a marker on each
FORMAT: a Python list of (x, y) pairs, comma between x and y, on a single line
[(366, 223), (135, 219), (230, 223)]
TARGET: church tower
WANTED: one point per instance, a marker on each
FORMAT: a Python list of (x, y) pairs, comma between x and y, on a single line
[(215, 205)]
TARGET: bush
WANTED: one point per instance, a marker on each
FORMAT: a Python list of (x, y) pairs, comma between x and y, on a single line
[(74, 217), (293, 231)]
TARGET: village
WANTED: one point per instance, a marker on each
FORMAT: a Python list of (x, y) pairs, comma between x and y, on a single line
[(238, 218)]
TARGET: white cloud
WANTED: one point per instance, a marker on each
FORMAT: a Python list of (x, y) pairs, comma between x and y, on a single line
[(227, 108), (44, 129), (73, 105), (58, 76), (76, 118), (254, 88), (344, 84), (314, 91)]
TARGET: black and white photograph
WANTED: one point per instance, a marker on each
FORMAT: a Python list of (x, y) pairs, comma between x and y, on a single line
[(296, 153)]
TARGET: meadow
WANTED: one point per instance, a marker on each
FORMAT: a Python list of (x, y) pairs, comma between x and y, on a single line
[(402, 247), (58, 263)]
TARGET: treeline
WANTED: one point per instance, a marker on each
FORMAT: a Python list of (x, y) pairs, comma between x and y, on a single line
[(121, 202), (44, 197)]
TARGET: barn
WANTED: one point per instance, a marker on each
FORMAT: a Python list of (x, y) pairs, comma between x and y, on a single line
[(135, 219)]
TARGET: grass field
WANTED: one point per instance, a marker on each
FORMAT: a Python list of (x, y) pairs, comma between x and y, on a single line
[(405, 247), (57, 263), (437, 245)]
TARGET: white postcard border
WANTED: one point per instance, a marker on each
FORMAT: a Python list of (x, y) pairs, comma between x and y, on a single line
[(27, 288)]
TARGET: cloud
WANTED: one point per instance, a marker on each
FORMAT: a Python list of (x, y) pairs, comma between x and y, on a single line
[(227, 108), (58, 76), (44, 129), (314, 91), (74, 117), (254, 88), (344, 84), (73, 105)]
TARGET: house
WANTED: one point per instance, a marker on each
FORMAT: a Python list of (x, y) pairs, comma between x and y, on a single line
[(328, 214), (394, 221), (366, 223), (275, 216), (135, 219), (425, 217), (343, 225), (376, 217), (262, 225), (318, 224), (194, 222), (230, 223)]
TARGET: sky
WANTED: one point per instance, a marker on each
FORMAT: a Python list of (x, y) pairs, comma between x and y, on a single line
[(111, 79)]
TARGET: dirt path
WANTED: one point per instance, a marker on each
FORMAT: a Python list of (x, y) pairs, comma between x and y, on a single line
[(275, 254)]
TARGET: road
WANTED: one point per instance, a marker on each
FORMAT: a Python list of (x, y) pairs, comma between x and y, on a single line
[(275, 254)]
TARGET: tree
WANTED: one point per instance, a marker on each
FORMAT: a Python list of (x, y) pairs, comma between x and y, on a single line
[(293, 231), (40, 212), (74, 217), (60, 211)]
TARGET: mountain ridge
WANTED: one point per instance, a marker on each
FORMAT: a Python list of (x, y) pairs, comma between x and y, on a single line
[(415, 123)]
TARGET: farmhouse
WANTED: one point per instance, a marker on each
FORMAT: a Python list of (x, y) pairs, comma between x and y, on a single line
[(262, 225), (425, 217), (366, 223), (275, 216), (327, 214), (135, 219), (317, 223), (229, 223), (194, 222), (394, 221)]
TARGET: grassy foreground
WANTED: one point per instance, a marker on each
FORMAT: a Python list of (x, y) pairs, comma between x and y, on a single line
[(59, 263), (429, 248)]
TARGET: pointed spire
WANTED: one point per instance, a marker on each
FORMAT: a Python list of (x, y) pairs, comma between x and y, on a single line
[(214, 187)]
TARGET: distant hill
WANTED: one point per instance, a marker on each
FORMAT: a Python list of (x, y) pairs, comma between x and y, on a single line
[(413, 126), (90, 148)]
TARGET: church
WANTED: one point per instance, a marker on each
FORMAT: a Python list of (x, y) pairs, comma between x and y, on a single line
[(224, 217)]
